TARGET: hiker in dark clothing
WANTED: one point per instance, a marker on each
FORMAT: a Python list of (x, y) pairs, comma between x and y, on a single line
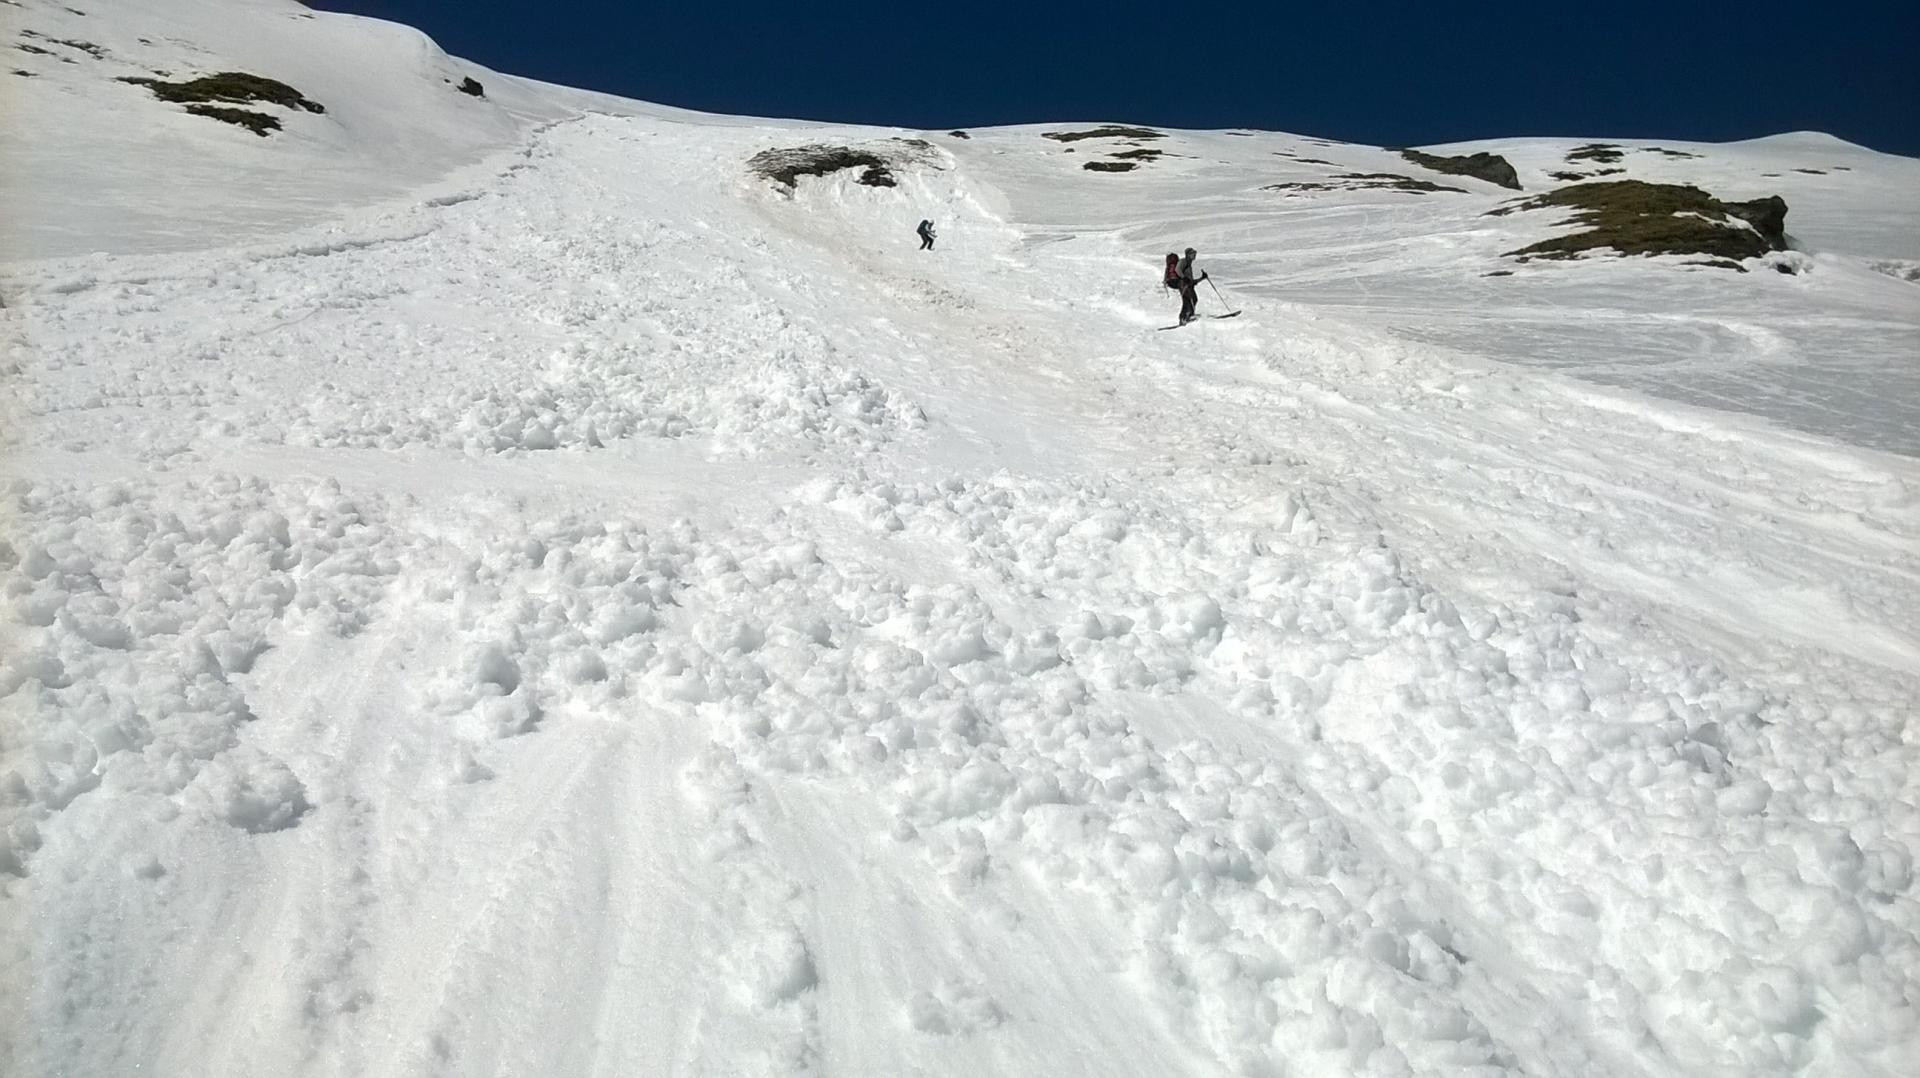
[(1180, 275), (926, 235)]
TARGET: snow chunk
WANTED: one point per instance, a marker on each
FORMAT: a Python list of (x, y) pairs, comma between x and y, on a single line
[(953, 1009), (253, 791)]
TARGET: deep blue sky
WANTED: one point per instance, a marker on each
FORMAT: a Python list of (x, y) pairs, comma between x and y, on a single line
[(1379, 72)]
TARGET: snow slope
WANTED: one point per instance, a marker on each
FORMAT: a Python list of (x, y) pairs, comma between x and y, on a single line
[(107, 168), (556, 604)]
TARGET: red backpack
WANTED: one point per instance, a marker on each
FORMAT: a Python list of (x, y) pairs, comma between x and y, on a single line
[(1172, 279)]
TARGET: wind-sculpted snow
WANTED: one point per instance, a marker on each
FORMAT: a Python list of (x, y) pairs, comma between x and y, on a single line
[(611, 616)]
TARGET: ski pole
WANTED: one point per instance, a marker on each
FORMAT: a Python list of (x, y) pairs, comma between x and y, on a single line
[(1216, 292)]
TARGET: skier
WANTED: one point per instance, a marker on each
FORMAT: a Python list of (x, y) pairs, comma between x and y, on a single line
[(926, 235), (1180, 275)]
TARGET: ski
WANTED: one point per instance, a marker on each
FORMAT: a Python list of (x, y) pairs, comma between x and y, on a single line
[(1197, 318)]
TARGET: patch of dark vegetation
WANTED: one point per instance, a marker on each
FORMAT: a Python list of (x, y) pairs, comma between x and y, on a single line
[(87, 47), (471, 87), (1605, 153), (1393, 182), (958, 134), (1103, 131), (1109, 166), (228, 87), (1143, 154), (1812, 171), (1574, 177), (1634, 217), (1364, 181), (1669, 153), (257, 122), (786, 166), (1490, 167)]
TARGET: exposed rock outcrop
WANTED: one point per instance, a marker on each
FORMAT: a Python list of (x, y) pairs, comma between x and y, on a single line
[(1490, 167), (1634, 217)]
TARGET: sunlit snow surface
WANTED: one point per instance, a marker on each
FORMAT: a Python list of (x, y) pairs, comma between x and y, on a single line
[(493, 589)]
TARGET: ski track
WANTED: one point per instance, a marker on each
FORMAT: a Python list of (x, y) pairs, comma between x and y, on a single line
[(1289, 696)]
